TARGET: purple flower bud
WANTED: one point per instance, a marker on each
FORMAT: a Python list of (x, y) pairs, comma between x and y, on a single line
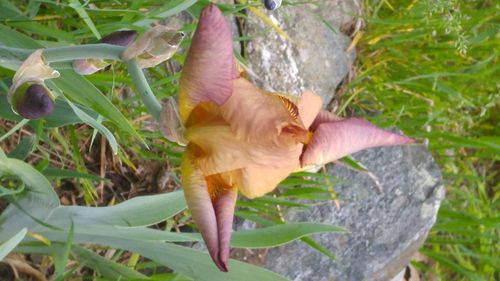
[(33, 101), (120, 38), (272, 4)]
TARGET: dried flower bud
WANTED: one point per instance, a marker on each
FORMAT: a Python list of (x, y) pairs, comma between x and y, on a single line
[(32, 101), (170, 122), (120, 38), (154, 46), (272, 4), (90, 66), (28, 94)]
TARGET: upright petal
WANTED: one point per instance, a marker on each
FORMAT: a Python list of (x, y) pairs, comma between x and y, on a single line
[(334, 140), (309, 107), (255, 115), (210, 65)]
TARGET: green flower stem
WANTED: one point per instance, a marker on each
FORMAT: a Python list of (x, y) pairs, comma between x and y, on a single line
[(69, 53), (145, 92), (98, 51), (90, 51)]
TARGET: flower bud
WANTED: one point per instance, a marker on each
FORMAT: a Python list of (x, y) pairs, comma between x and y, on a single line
[(154, 46), (32, 101), (28, 94), (272, 4), (90, 66)]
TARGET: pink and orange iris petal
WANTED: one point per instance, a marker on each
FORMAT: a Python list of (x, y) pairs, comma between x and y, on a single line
[(257, 115), (309, 106), (334, 140), (211, 202), (210, 66), (257, 180)]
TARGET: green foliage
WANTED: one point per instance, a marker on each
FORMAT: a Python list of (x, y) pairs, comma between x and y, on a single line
[(431, 68)]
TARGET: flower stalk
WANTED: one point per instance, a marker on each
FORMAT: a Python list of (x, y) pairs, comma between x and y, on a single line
[(100, 51)]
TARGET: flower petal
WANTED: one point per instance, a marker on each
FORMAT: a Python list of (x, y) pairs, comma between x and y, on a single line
[(224, 206), (222, 152), (258, 116), (257, 180), (323, 117), (309, 107), (334, 140), (200, 204), (210, 65)]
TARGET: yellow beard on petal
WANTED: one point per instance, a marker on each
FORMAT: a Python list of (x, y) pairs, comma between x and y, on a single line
[(218, 184)]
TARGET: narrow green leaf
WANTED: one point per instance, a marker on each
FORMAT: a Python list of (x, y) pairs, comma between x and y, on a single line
[(23, 149), (61, 173), (138, 211), (10, 244), (105, 267), (279, 234), (96, 125), (75, 4), (61, 259)]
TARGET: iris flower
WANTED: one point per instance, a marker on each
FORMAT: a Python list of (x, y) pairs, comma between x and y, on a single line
[(241, 138)]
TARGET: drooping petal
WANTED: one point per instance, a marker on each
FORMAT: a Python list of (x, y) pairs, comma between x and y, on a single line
[(255, 115), (156, 45), (200, 204), (33, 69), (210, 65), (334, 140), (257, 180), (224, 152), (224, 206), (309, 107)]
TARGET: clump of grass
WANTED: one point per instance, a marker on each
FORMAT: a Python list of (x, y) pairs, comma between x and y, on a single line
[(431, 69)]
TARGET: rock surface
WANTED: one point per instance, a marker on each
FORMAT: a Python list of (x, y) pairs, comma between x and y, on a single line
[(315, 56), (386, 229)]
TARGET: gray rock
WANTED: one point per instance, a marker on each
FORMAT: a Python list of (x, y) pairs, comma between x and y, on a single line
[(386, 229), (315, 56)]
